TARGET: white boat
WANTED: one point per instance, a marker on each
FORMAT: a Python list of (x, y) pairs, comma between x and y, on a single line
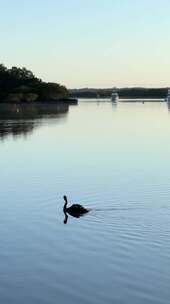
[(114, 96), (168, 96)]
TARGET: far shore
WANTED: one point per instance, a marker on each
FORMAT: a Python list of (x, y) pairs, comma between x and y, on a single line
[(125, 99)]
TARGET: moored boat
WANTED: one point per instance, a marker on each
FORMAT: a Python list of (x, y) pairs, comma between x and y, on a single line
[(168, 96), (114, 96)]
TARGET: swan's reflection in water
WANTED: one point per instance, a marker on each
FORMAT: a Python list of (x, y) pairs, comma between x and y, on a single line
[(22, 119), (73, 215)]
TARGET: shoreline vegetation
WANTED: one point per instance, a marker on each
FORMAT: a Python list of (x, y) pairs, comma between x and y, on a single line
[(124, 93), (19, 85)]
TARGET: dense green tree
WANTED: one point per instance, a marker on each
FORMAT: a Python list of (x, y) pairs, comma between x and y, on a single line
[(52, 91), (20, 84)]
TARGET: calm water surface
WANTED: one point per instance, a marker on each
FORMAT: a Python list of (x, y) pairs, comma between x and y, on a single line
[(113, 159)]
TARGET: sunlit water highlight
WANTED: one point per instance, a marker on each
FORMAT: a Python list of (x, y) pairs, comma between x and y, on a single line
[(113, 159)]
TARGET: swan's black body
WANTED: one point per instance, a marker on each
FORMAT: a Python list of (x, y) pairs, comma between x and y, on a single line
[(75, 210)]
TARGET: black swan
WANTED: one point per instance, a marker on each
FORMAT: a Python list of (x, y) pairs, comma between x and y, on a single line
[(75, 210)]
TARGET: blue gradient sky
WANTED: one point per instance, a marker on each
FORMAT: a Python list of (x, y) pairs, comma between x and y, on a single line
[(94, 43)]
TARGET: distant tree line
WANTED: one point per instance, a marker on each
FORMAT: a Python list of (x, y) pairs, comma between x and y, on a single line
[(123, 93), (20, 85)]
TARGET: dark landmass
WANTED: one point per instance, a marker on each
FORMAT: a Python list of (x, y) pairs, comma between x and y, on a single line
[(18, 85), (130, 93)]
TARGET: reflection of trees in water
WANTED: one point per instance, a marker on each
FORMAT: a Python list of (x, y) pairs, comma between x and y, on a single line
[(17, 119), (15, 128)]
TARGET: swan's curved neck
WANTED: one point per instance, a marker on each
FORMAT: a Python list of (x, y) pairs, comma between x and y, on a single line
[(65, 205)]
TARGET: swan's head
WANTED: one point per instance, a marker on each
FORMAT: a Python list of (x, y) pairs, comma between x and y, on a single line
[(65, 198)]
